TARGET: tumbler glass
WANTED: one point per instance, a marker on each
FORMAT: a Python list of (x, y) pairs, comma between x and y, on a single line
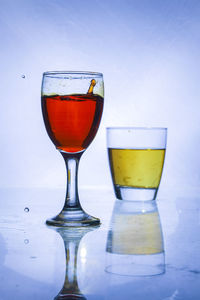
[(136, 158)]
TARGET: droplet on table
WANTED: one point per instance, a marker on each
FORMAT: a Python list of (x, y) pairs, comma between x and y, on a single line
[(26, 209), (23, 76)]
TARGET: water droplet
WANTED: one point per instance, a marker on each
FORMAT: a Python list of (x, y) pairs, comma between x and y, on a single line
[(23, 76), (26, 241), (26, 209)]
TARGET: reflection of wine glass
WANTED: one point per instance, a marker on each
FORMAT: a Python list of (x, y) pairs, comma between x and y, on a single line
[(71, 238), (135, 242), (72, 104)]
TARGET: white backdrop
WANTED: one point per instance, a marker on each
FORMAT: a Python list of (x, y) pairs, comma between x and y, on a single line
[(148, 52)]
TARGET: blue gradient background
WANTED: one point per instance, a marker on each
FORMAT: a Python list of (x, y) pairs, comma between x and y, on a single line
[(148, 52)]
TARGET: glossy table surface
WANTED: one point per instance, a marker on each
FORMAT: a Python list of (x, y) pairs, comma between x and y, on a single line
[(140, 251)]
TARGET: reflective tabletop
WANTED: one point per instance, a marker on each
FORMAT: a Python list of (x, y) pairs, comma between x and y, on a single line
[(140, 251)]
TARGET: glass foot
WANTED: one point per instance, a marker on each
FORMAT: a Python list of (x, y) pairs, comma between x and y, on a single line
[(70, 297), (73, 218)]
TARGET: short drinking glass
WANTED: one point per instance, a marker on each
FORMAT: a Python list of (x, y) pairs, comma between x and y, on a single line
[(136, 157)]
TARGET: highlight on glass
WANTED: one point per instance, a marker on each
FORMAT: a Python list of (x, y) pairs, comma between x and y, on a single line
[(72, 105), (136, 158)]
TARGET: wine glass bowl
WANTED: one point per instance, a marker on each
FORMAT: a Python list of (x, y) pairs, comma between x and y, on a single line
[(72, 105)]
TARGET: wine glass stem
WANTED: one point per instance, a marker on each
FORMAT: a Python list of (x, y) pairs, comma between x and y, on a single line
[(72, 198)]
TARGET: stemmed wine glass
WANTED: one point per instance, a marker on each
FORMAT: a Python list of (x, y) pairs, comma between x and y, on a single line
[(72, 105)]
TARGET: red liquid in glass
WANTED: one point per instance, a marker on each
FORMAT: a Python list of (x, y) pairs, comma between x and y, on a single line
[(72, 120)]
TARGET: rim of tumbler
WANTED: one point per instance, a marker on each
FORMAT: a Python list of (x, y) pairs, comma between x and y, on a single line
[(136, 128), (63, 74)]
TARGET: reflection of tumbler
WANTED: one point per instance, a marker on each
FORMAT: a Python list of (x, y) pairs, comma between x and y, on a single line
[(135, 242)]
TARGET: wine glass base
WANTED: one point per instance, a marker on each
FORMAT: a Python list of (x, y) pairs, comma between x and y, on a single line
[(76, 218), (70, 297)]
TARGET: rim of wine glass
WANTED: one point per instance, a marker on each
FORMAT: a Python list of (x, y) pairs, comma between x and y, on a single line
[(71, 74), (136, 128)]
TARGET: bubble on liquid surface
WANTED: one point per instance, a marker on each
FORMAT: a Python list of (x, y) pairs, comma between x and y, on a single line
[(26, 241), (26, 209), (23, 76)]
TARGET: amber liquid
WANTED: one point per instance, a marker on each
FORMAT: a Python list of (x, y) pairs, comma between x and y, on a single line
[(136, 168), (72, 120)]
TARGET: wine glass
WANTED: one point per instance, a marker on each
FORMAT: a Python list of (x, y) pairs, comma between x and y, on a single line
[(72, 105)]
